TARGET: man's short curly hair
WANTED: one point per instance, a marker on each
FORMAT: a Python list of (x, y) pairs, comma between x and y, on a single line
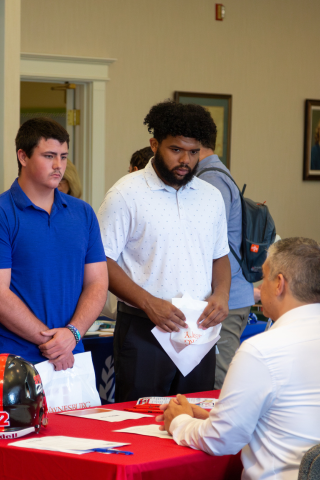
[(175, 119), (140, 158)]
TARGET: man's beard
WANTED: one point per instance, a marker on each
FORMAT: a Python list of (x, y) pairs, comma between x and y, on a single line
[(168, 176)]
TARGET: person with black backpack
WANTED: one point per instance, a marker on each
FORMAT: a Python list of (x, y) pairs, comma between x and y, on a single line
[(241, 291)]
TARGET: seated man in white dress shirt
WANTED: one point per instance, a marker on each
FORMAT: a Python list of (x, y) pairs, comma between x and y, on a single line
[(269, 405)]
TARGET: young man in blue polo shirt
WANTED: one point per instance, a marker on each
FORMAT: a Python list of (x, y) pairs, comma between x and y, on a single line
[(53, 273)]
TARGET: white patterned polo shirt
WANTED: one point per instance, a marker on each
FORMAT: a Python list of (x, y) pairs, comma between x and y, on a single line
[(164, 239)]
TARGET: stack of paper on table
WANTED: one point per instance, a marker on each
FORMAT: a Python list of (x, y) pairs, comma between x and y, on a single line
[(148, 430), (64, 444), (189, 346), (105, 415)]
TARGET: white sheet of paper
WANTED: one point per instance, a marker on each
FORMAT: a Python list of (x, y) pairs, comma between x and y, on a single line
[(192, 310), (112, 416), (187, 358), (148, 430), (65, 444)]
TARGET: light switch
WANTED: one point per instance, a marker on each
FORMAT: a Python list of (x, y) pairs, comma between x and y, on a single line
[(220, 11)]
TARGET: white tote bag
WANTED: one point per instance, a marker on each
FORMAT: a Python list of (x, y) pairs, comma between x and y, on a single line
[(70, 389)]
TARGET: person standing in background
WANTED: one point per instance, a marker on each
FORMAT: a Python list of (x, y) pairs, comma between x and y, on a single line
[(241, 291), (70, 182), (165, 234), (138, 161), (140, 158), (53, 273)]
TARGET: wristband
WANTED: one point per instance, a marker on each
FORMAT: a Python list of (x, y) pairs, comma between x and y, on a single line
[(75, 332)]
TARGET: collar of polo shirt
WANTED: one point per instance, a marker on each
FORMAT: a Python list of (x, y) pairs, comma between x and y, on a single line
[(22, 201)]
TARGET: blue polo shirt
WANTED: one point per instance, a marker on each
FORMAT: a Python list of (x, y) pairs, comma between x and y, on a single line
[(47, 255)]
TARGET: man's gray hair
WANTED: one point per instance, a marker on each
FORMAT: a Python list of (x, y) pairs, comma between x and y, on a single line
[(298, 259)]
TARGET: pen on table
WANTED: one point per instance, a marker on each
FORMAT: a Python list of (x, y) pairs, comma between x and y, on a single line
[(144, 410), (147, 405), (111, 450)]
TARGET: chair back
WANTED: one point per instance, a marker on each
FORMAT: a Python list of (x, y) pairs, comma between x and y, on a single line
[(310, 464)]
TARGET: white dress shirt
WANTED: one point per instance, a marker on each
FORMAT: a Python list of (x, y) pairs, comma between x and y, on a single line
[(270, 402), (164, 239)]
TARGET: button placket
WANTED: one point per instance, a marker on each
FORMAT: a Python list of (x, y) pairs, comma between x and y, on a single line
[(182, 213)]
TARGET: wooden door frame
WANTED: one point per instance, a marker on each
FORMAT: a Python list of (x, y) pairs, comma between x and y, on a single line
[(92, 75)]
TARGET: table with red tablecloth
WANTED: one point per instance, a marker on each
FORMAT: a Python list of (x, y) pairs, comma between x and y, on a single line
[(153, 459)]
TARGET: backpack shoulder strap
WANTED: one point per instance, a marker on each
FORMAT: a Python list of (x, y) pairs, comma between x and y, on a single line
[(214, 169)]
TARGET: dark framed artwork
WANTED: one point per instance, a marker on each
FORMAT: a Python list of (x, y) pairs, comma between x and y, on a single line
[(219, 107), (311, 161)]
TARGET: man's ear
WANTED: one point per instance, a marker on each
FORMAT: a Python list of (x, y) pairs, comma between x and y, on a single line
[(135, 169), (281, 284), (22, 156), (154, 144)]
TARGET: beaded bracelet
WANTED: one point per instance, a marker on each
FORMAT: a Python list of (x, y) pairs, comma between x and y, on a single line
[(75, 332)]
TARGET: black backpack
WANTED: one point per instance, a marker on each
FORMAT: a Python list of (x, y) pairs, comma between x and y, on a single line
[(258, 233)]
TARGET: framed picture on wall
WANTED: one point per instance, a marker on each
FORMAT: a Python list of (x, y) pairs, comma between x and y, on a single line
[(219, 107), (311, 161)]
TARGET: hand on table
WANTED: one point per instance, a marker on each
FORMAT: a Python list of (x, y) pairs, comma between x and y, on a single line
[(199, 412), (165, 315), (177, 406), (58, 349), (215, 312)]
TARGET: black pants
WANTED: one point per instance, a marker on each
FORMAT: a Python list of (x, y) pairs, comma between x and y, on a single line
[(142, 367)]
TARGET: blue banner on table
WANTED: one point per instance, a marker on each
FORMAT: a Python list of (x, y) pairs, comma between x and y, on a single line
[(101, 349)]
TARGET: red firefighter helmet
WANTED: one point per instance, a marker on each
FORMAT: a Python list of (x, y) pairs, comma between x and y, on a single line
[(23, 406)]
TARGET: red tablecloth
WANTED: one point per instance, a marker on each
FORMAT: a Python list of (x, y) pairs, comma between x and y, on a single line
[(153, 459)]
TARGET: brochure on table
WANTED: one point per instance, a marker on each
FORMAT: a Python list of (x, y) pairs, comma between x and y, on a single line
[(147, 430), (65, 444), (106, 415)]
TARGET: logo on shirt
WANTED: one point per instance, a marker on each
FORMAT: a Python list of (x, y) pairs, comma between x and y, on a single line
[(254, 248)]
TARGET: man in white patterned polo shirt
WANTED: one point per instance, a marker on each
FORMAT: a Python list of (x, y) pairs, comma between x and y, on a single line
[(165, 234)]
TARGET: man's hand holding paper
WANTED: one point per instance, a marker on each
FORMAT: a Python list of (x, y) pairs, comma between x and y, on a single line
[(165, 315), (188, 346), (215, 312), (194, 334)]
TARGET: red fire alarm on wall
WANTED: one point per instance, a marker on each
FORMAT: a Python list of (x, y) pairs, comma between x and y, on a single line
[(220, 11)]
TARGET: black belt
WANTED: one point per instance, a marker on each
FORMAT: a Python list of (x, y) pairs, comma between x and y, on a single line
[(124, 308)]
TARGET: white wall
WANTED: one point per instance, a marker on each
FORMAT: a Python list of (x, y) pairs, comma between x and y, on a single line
[(265, 53)]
